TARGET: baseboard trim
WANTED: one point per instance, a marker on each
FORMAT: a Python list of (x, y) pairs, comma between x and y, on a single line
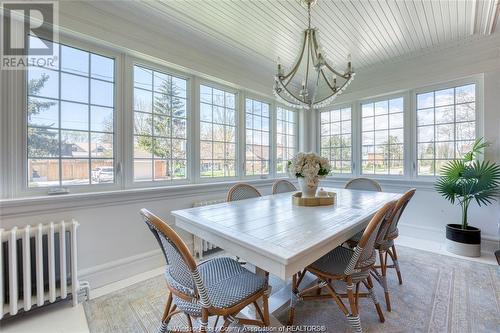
[(437, 234), (121, 269)]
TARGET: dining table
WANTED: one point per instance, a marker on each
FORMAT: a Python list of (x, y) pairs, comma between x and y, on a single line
[(276, 236)]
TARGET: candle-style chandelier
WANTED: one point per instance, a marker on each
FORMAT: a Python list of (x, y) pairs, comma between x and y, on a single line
[(321, 83)]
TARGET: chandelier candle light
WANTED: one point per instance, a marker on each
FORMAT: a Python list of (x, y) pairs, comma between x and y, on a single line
[(308, 168), (321, 83)]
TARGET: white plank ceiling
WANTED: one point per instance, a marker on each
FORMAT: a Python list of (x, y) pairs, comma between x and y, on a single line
[(373, 31)]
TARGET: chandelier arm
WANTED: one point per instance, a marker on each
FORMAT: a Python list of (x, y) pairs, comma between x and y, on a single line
[(335, 93), (313, 49), (308, 55), (327, 82), (315, 90), (345, 75), (297, 64), (298, 100)]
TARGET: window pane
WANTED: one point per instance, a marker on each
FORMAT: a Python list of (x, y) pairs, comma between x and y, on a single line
[(160, 136), (65, 154), (102, 67), (143, 78), (217, 151), (43, 112), (179, 87), (43, 172), (336, 137), (445, 126), (75, 172), (74, 116), (102, 171), (258, 119), (101, 119), (43, 142), (101, 145), (286, 145), (74, 60), (43, 82), (382, 137), (444, 114), (74, 88), (101, 93)]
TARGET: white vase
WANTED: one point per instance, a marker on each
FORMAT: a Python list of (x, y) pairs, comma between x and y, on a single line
[(308, 187)]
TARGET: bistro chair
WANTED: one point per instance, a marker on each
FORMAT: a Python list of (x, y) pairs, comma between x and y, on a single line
[(283, 186), (385, 245), (350, 266), (242, 191), (365, 184), (218, 287)]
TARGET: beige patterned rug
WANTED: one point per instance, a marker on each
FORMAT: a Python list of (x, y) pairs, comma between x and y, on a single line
[(439, 294)]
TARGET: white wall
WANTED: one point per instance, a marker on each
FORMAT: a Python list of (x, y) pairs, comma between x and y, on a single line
[(428, 211), (113, 241)]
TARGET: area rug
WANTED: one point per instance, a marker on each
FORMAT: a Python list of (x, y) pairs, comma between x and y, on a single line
[(439, 294)]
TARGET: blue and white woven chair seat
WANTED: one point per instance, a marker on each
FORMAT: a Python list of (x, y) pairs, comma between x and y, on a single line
[(226, 281), (336, 261)]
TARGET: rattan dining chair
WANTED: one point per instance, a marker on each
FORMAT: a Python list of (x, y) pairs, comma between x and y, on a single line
[(351, 266), (218, 287), (242, 191), (283, 186), (386, 247), (365, 184)]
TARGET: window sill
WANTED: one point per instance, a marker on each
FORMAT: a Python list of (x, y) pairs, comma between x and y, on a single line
[(65, 202), (387, 183)]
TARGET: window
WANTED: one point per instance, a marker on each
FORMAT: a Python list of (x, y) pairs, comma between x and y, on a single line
[(217, 133), (382, 137), (336, 139), (160, 126), (286, 137), (446, 127), (70, 120), (257, 138)]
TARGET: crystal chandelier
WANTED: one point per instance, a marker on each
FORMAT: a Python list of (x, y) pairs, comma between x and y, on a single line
[(321, 83)]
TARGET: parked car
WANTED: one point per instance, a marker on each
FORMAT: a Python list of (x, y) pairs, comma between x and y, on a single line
[(102, 174)]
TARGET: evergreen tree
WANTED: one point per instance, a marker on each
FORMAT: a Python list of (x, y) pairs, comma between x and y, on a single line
[(41, 141)]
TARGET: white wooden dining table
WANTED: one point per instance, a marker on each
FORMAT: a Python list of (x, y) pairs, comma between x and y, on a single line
[(279, 237)]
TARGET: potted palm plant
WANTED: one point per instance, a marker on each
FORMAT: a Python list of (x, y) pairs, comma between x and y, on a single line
[(462, 182)]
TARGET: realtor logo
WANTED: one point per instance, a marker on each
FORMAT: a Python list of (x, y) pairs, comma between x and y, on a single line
[(29, 29)]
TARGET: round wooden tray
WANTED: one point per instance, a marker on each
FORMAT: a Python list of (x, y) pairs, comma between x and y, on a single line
[(317, 201)]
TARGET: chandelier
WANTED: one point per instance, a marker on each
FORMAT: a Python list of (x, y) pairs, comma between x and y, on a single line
[(321, 83)]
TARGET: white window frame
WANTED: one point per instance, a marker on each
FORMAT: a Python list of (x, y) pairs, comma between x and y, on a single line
[(129, 127), (275, 136), (354, 140), (406, 130), (15, 178), (20, 166), (410, 127), (197, 118), (478, 80), (272, 135)]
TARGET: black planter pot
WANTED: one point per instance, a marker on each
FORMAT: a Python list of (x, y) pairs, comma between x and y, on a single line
[(464, 242)]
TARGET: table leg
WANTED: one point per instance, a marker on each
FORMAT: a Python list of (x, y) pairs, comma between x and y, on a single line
[(279, 300)]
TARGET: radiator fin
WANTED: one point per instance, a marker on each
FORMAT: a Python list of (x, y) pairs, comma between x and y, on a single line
[(38, 266)]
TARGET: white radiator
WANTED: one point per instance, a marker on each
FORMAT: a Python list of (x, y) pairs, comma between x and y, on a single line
[(201, 246), (38, 265)]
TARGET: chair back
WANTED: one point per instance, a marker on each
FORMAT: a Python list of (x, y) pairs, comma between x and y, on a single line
[(401, 204), (181, 272), (364, 252), (365, 184), (283, 186), (242, 191)]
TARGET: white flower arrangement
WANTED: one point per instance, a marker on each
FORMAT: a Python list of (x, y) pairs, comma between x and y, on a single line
[(310, 166)]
